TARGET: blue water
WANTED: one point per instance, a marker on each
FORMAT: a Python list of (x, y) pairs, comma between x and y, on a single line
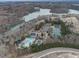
[(72, 11), (42, 12), (27, 42), (36, 14)]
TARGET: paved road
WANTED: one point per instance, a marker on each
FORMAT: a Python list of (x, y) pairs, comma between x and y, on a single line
[(50, 51)]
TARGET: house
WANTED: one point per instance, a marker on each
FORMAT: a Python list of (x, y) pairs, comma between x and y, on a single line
[(35, 38), (33, 34)]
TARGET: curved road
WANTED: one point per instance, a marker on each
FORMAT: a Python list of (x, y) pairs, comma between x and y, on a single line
[(68, 52)]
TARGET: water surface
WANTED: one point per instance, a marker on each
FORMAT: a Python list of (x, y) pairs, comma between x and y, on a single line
[(36, 14)]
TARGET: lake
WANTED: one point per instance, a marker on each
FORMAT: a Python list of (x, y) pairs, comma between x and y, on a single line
[(72, 11), (36, 14), (43, 12)]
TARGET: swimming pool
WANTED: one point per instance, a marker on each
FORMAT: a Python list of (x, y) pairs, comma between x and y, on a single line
[(27, 42)]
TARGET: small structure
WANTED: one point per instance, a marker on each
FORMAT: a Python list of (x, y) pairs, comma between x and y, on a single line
[(40, 35), (33, 34)]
